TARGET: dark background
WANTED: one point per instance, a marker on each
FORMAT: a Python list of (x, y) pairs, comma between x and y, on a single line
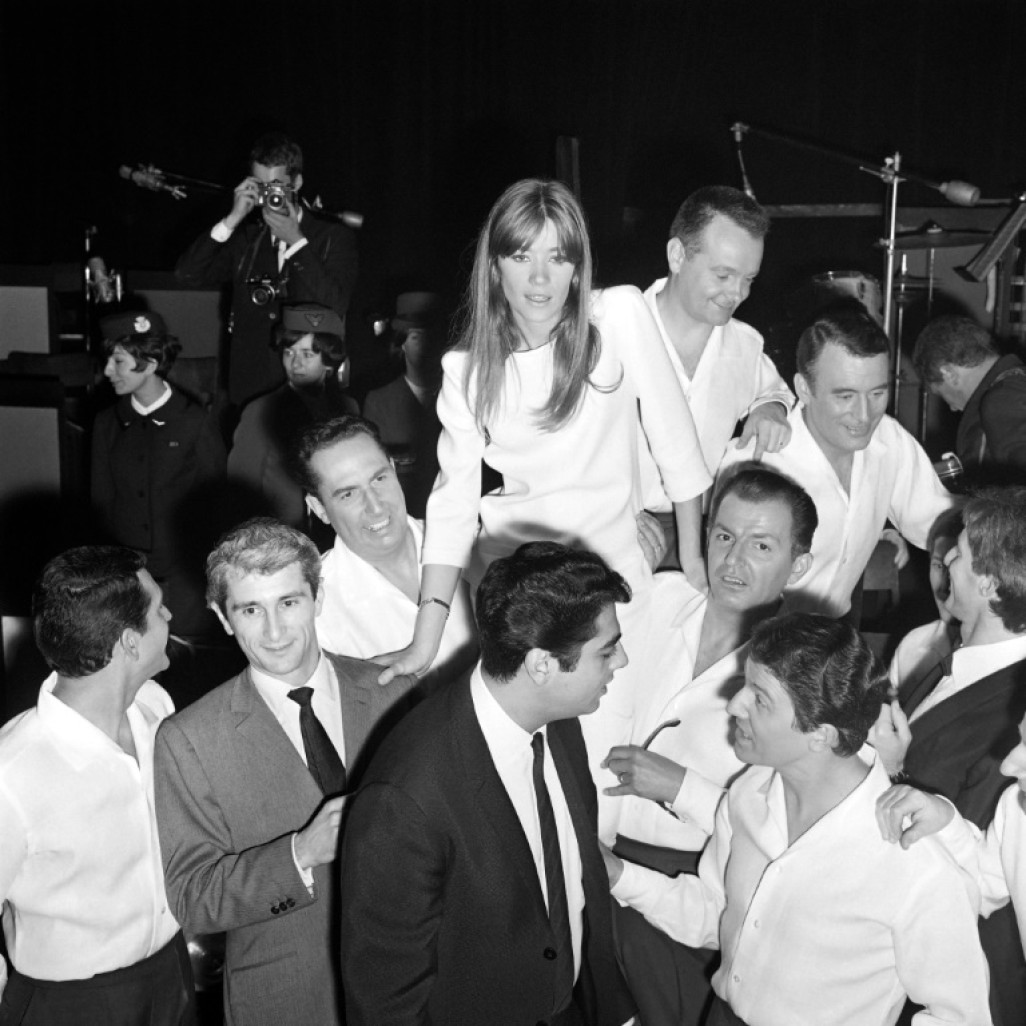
[(418, 113)]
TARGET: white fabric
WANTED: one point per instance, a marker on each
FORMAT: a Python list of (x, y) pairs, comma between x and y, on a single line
[(891, 479), (970, 664), (155, 405), (365, 614), (918, 652), (701, 743), (80, 867), (995, 860), (580, 483), (510, 748), (325, 703), (732, 378), (832, 930)]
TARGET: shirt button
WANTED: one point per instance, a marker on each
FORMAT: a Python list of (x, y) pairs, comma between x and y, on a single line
[(736, 978), (756, 924), (549, 953)]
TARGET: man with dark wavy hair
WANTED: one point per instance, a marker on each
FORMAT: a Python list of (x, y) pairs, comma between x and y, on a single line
[(89, 931), (817, 918)]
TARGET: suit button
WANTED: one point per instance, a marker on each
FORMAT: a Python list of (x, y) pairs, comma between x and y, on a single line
[(291, 903), (549, 953), (275, 910)]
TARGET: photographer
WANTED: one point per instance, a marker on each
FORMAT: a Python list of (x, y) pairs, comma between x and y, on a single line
[(284, 254)]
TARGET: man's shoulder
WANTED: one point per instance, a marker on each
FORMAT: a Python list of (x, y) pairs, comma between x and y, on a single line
[(19, 735), (202, 718), (739, 335)]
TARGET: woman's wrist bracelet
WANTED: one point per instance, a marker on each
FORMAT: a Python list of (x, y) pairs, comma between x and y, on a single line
[(437, 602)]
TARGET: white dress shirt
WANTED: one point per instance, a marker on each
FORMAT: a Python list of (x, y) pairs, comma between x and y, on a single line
[(891, 479), (732, 378), (995, 860), (510, 747), (919, 652), (701, 742), (970, 664), (365, 614), (80, 868), (833, 929)]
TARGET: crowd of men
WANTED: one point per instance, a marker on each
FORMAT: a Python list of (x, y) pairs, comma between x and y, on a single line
[(429, 850)]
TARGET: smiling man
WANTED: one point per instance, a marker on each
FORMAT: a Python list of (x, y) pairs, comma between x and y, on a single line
[(251, 778), (861, 467), (473, 886), (818, 920), (372, 573)]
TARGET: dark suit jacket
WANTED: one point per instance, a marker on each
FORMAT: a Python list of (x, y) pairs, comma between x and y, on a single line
[(957, 749), (410, 432), (992, 430), (443, 918), (323, 271), (230, 791)]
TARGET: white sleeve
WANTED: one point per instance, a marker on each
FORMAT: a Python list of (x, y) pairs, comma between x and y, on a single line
[(697, 800), (770, 387), (452, 509), (686, 907), (918, 497), (626, 324)]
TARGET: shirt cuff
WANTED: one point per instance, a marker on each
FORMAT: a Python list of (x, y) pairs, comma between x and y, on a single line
[(295, 248), (221, 232), (306, 874)]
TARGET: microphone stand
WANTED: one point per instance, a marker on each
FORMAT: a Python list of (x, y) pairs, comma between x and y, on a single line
[(892, 175)]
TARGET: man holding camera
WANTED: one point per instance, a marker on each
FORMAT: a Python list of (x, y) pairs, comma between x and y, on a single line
[(286, 253)]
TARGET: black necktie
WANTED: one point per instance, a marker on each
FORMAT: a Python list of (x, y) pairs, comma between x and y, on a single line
[(921, 690), (559, 913), (321, 756)]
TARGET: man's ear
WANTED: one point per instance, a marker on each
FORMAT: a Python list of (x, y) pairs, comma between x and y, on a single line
[(129, 642), (824, 738), (801, 388), (219, 612), (539, 663), (800, 567), (316, 507), (675, 254), (297, 181), (988, 587)]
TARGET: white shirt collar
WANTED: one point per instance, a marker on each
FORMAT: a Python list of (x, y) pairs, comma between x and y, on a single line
[(507, 741), (275, 692), (155, 405)]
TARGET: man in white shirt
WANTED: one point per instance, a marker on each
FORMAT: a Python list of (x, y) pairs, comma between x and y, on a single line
[(861, 467), (251, 781), (371, 576), (672, 775), (714, 254), (474, 889), (89, 931), (818, 920)]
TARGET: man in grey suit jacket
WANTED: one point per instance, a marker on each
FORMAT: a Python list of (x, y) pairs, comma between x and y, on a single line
[(473, 884), (250, 781)]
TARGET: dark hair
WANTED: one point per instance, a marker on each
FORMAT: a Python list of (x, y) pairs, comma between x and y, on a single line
[(753, 482), (847, 324), (698, 210), (995, 529), (262, 545), (948, 525), (161, 349), (275, 149), (956, 340), (829, 672), (311, 440), (84, 600), (545, 596), (331, 348), (489, 334)]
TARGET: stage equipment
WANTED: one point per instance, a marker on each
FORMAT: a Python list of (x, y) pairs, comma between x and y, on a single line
[(146, 176), (892, 175)]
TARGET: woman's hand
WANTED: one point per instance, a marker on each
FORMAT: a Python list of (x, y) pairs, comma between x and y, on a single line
[(415, 660)]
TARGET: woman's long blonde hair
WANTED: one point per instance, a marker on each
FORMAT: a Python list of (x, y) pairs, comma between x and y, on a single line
[(488, 332)]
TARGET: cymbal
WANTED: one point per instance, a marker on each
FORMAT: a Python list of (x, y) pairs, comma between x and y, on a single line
[(933, 236)]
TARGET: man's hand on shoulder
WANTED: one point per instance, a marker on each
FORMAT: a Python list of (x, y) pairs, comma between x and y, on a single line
[(317, 842), (768, 425), (926, 814)]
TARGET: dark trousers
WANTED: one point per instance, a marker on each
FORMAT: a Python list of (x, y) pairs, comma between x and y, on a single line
[(157, 991), (668, 981), (722, 1014)]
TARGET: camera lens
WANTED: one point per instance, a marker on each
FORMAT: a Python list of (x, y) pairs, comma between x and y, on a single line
[(261, 294)]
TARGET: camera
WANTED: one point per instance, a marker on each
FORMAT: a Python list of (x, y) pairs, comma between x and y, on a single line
[(265, 290), (275, 196)]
